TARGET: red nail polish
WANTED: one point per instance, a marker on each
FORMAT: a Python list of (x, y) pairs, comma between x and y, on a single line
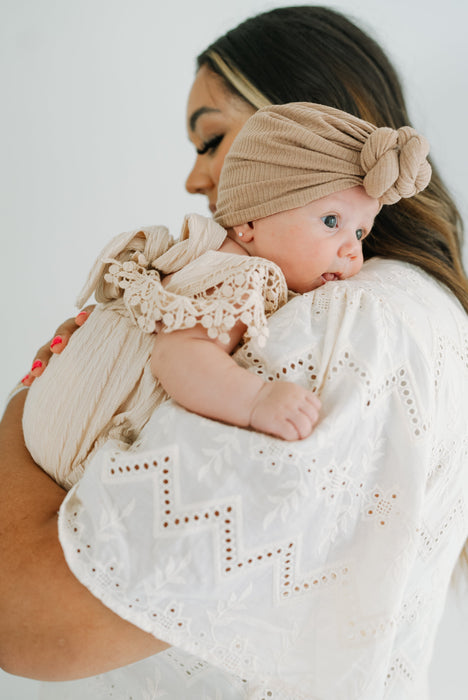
[(36, 365), (81, 318), (24, 378), (56, 341)]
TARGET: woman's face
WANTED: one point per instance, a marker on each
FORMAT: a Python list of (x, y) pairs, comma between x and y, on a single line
[(214, 118)]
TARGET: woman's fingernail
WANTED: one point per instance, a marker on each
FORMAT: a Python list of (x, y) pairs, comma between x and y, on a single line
[(36, 365), (25, 378), (56, 341), (81, 318)]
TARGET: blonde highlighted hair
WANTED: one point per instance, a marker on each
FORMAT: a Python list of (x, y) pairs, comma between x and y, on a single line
[(238, 80)]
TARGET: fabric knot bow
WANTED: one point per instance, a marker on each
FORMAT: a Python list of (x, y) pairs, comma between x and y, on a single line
[(139, 248), (144, 253), (395, 164)]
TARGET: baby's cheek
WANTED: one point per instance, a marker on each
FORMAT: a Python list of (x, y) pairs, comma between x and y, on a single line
[(359, 265)]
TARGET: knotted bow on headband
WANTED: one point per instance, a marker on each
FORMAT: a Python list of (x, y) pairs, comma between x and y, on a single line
[(289, 155)]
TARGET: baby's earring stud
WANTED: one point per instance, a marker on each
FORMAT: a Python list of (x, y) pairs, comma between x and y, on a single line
[(240, 234)]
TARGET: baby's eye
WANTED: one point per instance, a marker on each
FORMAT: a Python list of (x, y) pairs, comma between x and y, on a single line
[(330, 220), (359, 233)]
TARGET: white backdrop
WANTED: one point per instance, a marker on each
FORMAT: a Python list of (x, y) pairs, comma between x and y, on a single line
[(93, 143)]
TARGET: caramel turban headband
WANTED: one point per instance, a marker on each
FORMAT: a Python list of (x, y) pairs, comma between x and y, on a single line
[(289, 155)]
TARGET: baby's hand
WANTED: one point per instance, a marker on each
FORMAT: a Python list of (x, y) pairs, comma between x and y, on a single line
[(285, 410)]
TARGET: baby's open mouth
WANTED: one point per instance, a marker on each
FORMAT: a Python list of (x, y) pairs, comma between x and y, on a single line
[(330, 276)]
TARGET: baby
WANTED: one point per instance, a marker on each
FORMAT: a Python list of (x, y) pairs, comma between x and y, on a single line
[(299, 191)]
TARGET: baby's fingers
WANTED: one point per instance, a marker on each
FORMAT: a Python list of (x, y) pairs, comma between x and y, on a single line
[(305, 417), (303, 423), (313, 400), (311, 408)]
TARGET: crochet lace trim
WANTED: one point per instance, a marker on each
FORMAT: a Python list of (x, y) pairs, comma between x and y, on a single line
[(242, 289)]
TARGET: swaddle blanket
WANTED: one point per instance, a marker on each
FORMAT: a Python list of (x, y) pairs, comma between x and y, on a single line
[(101, 386)]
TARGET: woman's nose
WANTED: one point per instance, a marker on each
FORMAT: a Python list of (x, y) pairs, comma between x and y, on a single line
[(198, 180)]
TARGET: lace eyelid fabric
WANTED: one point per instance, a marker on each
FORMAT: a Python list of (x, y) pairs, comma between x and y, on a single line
[(101, 386), (315, 569)]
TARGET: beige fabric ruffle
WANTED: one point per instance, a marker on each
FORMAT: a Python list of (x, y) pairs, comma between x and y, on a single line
[(101, 386)]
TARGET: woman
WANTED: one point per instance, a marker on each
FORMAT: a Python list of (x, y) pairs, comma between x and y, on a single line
[(331, 560)]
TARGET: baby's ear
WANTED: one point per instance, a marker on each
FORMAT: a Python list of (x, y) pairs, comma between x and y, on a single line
[(244, 232)]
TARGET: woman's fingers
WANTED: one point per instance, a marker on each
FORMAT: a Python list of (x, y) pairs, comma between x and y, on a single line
[(56, 345), (27, 380), (83, 314), (66, 329)]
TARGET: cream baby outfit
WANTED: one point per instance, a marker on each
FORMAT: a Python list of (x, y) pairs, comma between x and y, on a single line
[(110, 390)]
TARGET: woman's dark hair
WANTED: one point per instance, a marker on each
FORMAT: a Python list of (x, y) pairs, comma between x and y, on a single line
[(314, 54)]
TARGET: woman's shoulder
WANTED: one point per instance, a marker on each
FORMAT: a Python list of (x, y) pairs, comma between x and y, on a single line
[(411, 295), (389, 310), (393, 278), (400, 290)]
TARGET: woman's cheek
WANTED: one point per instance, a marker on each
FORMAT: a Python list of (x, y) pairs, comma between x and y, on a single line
[(221, 153), (218, 162)]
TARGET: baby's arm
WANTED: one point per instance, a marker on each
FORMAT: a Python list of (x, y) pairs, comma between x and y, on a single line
[(199, 373)]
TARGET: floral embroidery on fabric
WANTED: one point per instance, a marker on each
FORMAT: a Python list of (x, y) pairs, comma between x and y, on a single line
[(272, 560), (381, 507)]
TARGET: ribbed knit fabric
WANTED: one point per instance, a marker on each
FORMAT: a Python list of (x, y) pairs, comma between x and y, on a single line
[(289, 155)]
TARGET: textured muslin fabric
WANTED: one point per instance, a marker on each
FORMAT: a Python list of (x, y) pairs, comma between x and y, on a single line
[(110, 389), (286, 156), (310, 570)]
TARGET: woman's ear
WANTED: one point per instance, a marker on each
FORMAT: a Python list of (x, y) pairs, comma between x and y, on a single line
[(244, 233)]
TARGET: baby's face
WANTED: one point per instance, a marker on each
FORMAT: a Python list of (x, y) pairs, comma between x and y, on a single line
[(319, 242)]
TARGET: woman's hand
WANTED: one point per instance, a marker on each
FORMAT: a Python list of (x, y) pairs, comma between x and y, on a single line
[(56, 345), (285, 410)]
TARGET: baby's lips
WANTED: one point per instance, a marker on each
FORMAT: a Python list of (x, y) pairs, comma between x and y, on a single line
[(330, 276)]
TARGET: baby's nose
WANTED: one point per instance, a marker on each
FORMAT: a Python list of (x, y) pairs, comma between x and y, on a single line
[(351, 247)]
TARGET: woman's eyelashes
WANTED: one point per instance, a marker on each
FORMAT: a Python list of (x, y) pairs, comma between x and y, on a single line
[(211, 145)]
